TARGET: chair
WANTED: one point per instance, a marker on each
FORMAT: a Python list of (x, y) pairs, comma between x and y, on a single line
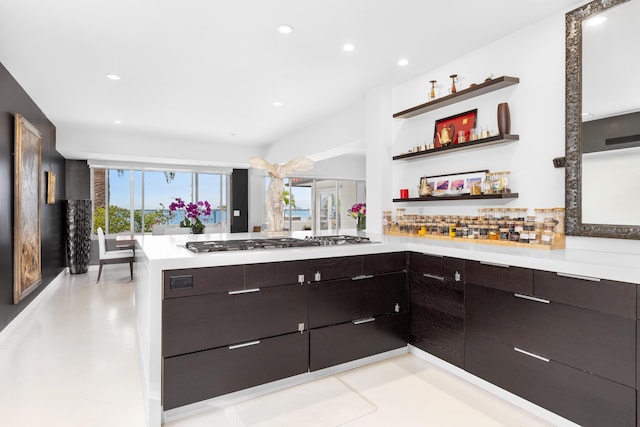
[(113, 257)]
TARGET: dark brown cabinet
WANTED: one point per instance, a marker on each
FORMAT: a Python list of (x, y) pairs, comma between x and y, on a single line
[(565, 343), (587, 399), (207, 321), (205, 374), (232, 327), (357, 307), (339, 301), (323, 269), (436, 295), (354, 340)]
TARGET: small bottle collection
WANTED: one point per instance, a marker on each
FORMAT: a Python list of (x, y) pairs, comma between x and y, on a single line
[(504, 226)]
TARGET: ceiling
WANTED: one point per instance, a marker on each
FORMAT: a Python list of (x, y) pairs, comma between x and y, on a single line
[(209, 70)]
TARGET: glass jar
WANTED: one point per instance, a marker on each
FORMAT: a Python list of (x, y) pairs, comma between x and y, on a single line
[(484, 232), (493, 232), (504, 234), (487, 184), (505, 178), (547, 237), (534, 236), (524, 237), (452, 230)]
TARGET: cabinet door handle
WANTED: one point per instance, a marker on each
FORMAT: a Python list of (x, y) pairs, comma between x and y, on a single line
[(361, 321), (244, 344), (530, 298), (433, 276), (577, 276), (301, 278), (362, 276), (244, 291), (535, 356), (495, 264)]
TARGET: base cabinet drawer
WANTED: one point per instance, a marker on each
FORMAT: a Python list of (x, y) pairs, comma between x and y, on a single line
[(342, 343), (339, 301), (203, 375), (437, 317), (584, 398), (208, 321), (597, 342)]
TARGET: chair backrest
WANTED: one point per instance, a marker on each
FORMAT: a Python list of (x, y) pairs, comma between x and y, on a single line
[(101, 243)]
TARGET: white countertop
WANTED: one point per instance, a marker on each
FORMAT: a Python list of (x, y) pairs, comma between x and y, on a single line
[(169, 252)]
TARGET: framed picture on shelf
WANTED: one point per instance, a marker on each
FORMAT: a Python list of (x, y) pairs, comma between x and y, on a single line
[(448, 131), (456, 183)]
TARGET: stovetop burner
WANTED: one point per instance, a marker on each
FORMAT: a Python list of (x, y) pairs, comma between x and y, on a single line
[(274, 243)]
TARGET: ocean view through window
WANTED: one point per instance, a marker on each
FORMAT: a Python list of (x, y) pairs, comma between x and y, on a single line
[(137, 201)]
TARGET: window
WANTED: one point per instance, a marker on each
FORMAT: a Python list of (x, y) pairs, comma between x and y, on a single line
[(321, 204), (136, 200)]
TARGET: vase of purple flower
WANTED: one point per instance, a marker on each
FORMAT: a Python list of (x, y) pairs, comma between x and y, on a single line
[(359, 213), (193, 213)]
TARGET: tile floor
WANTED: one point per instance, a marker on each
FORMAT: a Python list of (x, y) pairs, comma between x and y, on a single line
[(73, 362)]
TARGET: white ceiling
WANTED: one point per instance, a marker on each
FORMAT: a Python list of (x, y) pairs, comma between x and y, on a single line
[(206, 69)]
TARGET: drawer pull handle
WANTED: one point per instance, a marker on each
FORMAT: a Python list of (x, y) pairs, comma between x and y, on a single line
[(361, 321), (244, 291), (246, 344), (530, 298), (362, 277), (433, 276), (495, 264), (535, 356), (577, 276)]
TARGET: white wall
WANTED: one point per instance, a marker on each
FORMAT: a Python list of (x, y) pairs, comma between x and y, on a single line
[(536, 55), (340, 134)]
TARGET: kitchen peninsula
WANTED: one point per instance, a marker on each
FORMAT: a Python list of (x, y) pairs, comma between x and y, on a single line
[(475, 293)]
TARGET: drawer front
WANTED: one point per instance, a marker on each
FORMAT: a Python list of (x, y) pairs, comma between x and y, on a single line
[(335, 268), (423, 263), (343, 343), (586, 339), (198, 376), (437, 317), (208, 321), (275, 273), (451, 269), (384, 263), (438, 333), (341, 301), (584, 398), (200, 281), (435, 294), (605, 295), (512, 279)]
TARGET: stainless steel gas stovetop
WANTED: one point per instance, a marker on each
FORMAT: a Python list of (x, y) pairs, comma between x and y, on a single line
[(273, 243)]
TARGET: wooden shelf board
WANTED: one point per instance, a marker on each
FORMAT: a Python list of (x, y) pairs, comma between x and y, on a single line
[(461, 95), (460, 197), (558, 241), (497, 139)]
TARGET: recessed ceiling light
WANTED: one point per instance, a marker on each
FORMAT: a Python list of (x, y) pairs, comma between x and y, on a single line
[(232, 134), (285, 29), (113, 77), (118, 122), (596, 20), (403, 62), (277, 104), (348, 47)]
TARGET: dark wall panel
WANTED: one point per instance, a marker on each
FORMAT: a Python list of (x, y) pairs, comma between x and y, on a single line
[(240, 201), (13, 99)]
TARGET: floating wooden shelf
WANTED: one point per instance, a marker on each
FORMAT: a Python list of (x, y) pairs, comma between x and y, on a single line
[(461, 95), (558, 241), (497, 139), (459, 197)]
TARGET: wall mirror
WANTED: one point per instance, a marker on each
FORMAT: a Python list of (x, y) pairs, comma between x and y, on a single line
[(603, 120)]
